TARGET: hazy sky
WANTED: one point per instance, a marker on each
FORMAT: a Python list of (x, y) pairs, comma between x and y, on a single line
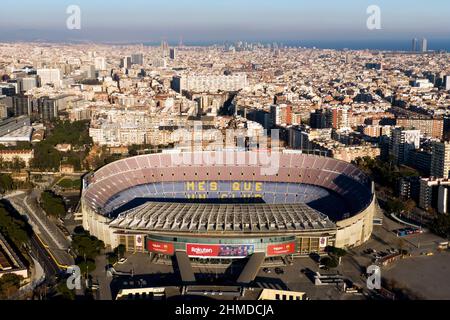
[(220, 20)]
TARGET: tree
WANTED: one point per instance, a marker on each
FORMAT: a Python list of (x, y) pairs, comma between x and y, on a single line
[(46, 157), (329, 262), (79, 230), (384, 173), (64, 292), (6, 183), (86, 266), (337, 252), (9, 284), (117, 253), (17, 164), (441, 226), (395, 206), (13, 227), (87, 248), (112, 257), (409, 205), (120, 250), (52, 204)]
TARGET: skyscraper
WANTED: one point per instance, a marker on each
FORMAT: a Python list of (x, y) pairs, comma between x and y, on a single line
[(423, 45), (415, 42), (164, 49), (173, 53)]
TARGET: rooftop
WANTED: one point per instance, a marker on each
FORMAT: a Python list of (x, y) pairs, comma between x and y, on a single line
[(168, 216)]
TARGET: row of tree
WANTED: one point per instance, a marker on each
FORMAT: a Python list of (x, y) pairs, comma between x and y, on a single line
[(13, 226), (87, 248), (15, 165)]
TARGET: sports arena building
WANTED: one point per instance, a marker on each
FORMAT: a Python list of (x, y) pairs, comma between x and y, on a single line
[(228, 209)]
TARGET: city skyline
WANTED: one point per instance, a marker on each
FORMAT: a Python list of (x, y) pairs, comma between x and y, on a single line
[(324, 24), (257, 151)]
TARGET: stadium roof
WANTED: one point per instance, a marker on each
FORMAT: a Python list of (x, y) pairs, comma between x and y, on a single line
[(167, 216)]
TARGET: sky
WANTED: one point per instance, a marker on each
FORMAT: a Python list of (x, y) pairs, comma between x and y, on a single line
[(197, 21)]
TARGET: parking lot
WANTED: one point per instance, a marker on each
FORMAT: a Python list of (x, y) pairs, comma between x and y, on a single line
[(288, 277), (425, 273)]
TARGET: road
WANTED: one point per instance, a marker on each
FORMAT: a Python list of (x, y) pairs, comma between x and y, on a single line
[(41, 254), (56, 244)]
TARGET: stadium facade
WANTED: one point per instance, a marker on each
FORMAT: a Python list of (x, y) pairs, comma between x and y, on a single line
[(217, 208)]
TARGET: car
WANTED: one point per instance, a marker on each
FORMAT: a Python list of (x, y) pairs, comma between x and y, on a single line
[(267, 270), (122, 260)]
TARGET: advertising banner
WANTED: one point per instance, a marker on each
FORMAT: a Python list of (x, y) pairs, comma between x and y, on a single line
[(219, 250), (323, 242), (139, 243), (281, 249), (160, 247)]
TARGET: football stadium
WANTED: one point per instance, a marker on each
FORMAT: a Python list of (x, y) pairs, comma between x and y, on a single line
[(225, 209)]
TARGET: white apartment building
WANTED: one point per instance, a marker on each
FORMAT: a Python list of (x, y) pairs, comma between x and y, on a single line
[(50, 76), (100, 63), (402, 142), (209, 83)]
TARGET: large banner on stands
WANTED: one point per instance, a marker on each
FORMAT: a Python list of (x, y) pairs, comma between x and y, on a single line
[(219, 250)]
